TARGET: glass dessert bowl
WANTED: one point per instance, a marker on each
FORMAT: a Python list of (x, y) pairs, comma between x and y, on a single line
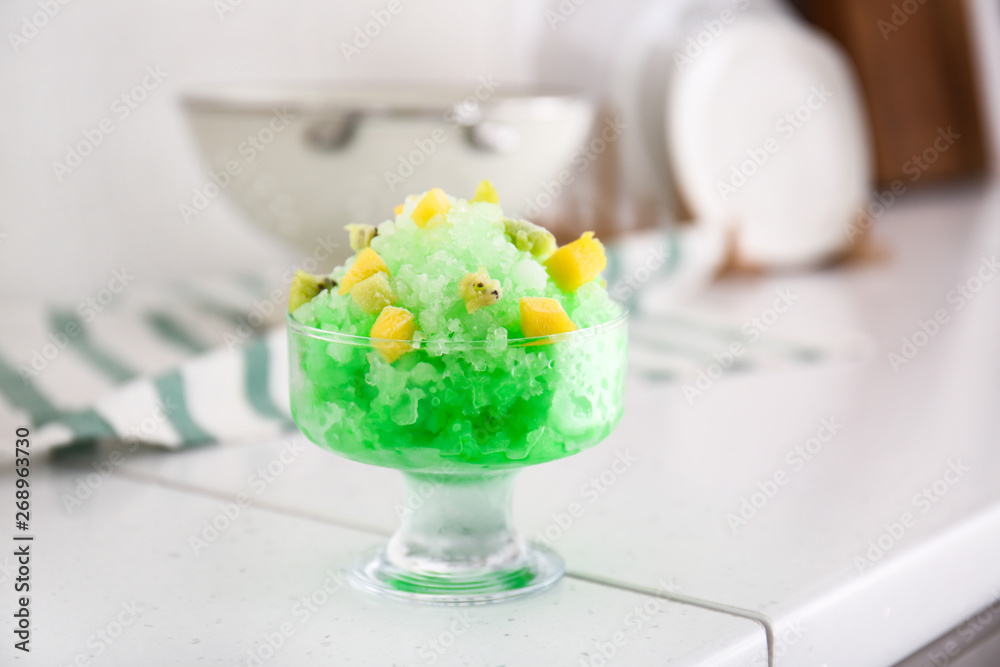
[(458, 417)]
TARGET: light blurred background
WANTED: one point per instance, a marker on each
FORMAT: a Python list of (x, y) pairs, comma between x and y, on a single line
[(165, 167), (120, 206)]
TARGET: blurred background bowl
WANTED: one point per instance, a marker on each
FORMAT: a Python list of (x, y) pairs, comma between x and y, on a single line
[(301, 161)]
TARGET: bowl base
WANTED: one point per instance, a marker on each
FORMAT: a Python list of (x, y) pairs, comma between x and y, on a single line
[(536, 571)]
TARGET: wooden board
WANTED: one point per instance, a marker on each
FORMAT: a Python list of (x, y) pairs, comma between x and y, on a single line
[(915, 63)]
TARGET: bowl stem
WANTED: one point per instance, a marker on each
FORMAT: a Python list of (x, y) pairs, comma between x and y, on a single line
[(457, 544)]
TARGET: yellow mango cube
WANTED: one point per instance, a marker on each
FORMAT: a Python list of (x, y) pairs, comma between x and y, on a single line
[(365, 265), (486, 192), (577, 263), (542, 316), (398, 209), (395, 328), (374, 293), (433, 203)]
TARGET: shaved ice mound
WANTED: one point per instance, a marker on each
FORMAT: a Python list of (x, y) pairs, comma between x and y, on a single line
[(413, 355)]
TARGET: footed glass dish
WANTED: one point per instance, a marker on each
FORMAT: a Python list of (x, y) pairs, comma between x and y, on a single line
[(459, 419)]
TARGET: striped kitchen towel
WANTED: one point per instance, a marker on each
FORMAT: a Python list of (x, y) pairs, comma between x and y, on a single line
[(681, 332), (177, 367)]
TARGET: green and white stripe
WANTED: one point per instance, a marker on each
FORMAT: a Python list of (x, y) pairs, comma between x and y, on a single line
[(156, 372)]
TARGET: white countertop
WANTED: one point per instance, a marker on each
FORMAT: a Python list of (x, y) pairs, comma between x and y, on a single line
[(664, 524), (276, 579)]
